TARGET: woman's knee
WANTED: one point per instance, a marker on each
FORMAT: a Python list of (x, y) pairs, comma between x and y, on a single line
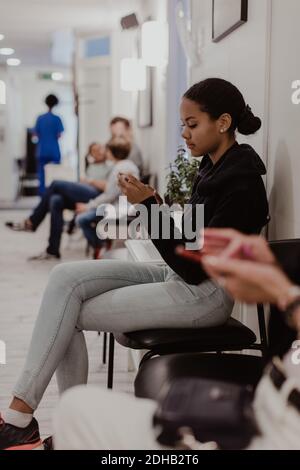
[(56, 202), (56, 184), (63, 276)]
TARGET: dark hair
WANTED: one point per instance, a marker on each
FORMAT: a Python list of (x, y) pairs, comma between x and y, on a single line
[(117, 119), (51, 101), (216, 96), (119, 147)]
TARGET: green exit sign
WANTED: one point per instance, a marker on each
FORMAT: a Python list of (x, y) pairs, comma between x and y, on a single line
[(45, 75)]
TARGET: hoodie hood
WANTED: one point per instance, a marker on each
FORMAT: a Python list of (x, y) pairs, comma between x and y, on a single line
[(236, 167)]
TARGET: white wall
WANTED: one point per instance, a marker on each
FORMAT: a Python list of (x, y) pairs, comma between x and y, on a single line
[(284, 143), (260, 57), (123, 45), (153, 140), (6, 163), (241, 58)]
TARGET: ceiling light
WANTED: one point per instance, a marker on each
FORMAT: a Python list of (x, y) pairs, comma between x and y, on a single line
[(13, 61), (57, 76), (2, 37), (6, 51)]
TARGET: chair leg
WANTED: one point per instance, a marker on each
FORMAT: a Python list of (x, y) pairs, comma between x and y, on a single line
[(262, 330), (104, 347), (111, 361)]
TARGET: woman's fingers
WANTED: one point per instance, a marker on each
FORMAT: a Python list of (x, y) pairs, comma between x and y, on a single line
[(134, 181), (220, 267), (226, 234)]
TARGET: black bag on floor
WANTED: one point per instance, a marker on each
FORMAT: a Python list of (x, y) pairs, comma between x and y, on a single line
[(214, 411)]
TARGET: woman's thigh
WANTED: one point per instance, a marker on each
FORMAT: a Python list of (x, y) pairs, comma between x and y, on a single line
[(171, 304), (83, 280)]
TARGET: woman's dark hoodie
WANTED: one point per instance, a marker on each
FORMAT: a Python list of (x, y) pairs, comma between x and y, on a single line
[(234, 196)]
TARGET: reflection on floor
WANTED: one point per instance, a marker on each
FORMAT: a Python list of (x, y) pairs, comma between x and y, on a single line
[(21, 287)]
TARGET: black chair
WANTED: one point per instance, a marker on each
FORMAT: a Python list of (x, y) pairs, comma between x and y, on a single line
[(154, 376), (232, 336)]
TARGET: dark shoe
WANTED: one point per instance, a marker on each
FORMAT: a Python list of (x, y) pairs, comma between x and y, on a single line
[(45, 256), (24, 226), (13, 438)]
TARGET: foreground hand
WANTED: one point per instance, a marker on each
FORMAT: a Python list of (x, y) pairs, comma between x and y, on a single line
[(231, 244), (135, 191), (80, 208), (248, 281)]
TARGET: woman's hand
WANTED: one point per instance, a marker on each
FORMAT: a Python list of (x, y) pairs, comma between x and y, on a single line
[(135, 191), (249, 281), (230, 244)]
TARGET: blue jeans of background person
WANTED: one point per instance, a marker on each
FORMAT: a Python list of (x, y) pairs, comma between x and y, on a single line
[(59, 196), (108, 295), (87, 222)]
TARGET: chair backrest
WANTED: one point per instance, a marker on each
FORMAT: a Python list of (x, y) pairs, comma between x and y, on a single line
[(287, 253), (280, 334)]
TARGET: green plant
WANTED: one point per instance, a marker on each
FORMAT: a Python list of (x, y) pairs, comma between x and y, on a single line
[(181, 178)]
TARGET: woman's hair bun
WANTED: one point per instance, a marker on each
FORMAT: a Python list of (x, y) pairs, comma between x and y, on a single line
[(248, 123)]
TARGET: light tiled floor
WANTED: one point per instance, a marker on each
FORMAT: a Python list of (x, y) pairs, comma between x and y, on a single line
[(21, 287)]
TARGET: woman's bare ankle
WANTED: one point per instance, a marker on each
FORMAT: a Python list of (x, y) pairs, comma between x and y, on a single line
[(28, 224), (21, 406)]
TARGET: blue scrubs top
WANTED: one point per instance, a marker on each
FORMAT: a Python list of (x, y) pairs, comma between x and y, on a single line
[(48, 129)]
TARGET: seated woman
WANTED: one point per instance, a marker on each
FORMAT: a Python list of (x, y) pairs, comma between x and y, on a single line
[(117, 151), (123, 296), (97, 168), (92, 419)]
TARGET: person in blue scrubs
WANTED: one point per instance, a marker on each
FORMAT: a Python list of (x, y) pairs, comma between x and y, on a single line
[(48, 129)]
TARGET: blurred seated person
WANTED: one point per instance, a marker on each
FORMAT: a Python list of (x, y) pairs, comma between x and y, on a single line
[(90, 418), (121, 127), (62, 195), (96, 165), (97, 169), (117, 151)]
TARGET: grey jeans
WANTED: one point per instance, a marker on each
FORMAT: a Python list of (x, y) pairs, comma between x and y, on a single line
[(113, 296)]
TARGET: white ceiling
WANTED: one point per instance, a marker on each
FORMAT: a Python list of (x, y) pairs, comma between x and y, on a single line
[(28, 25)]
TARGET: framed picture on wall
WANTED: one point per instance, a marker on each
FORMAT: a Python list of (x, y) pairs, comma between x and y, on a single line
[(227, 15), (145, 102)]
